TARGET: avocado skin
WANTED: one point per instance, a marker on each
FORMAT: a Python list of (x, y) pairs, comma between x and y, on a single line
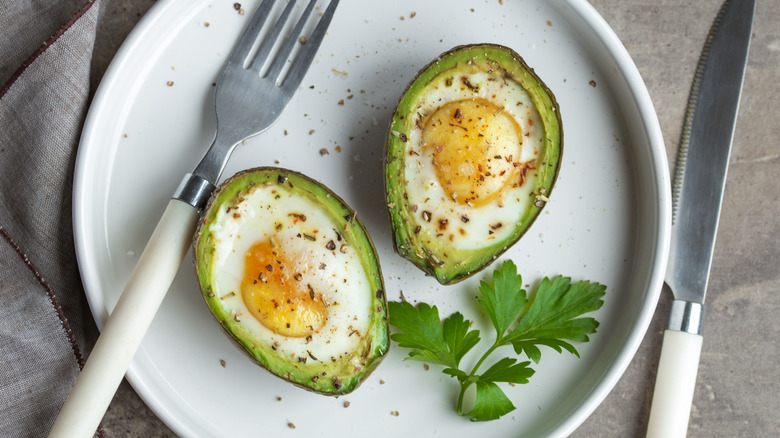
[(331, 379), (461, 264)]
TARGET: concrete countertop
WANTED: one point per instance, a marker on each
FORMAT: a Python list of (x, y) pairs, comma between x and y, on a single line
[(738, 387)]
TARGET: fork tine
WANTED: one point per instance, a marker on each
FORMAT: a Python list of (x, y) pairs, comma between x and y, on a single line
[(268, 43), (289, 43), (306, 55), (249, 37)]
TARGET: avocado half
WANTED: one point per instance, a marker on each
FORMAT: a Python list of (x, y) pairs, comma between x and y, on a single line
[(450, 106), (291, 274)]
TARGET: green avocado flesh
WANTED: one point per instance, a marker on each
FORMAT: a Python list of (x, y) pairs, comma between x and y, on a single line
[(472, 154), (290, 273)]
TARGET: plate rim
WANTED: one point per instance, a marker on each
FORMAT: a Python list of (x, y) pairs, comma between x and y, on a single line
[(657, 150)]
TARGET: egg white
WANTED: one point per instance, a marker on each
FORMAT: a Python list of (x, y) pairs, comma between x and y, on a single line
[(338, 275), (423, 189)]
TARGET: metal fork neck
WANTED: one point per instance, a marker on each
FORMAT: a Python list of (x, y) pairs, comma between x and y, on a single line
[(213, 163)]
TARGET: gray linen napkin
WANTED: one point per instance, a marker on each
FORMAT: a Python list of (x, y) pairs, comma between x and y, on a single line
[(44, 96)]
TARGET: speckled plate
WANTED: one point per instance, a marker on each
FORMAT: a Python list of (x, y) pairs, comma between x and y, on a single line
[(608, 219)]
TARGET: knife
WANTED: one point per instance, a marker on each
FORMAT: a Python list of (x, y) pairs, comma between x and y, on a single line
[(697, 194)]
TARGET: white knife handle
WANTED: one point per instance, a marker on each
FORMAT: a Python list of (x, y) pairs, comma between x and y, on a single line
[(674, 385), (128, 323)]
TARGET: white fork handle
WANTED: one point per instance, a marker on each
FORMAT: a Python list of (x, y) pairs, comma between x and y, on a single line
[(125, 328), (674, 385)]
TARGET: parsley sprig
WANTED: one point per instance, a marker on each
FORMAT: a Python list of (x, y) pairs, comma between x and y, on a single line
[(551, 317)]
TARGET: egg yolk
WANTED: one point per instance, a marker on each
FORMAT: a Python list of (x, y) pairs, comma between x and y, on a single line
[(474, 146), (275, 291)]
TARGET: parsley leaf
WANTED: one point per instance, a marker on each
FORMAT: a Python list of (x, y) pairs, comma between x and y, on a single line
[(506, 370), (505, 298), (457, 336), (551, 317), (432, 340), (491, 402)]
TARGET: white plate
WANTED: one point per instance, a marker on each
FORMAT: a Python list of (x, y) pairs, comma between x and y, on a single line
[(608, 219)]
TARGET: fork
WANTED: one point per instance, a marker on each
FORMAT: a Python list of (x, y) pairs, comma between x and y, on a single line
[(247, 81)]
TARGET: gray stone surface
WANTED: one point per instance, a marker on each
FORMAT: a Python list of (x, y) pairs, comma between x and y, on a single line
[(738, 389)]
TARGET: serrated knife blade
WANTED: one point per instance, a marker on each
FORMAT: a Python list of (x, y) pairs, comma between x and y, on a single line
[(699, 181)]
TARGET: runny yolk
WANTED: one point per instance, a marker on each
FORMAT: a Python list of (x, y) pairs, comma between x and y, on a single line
[(475, 146), (275, 291)]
